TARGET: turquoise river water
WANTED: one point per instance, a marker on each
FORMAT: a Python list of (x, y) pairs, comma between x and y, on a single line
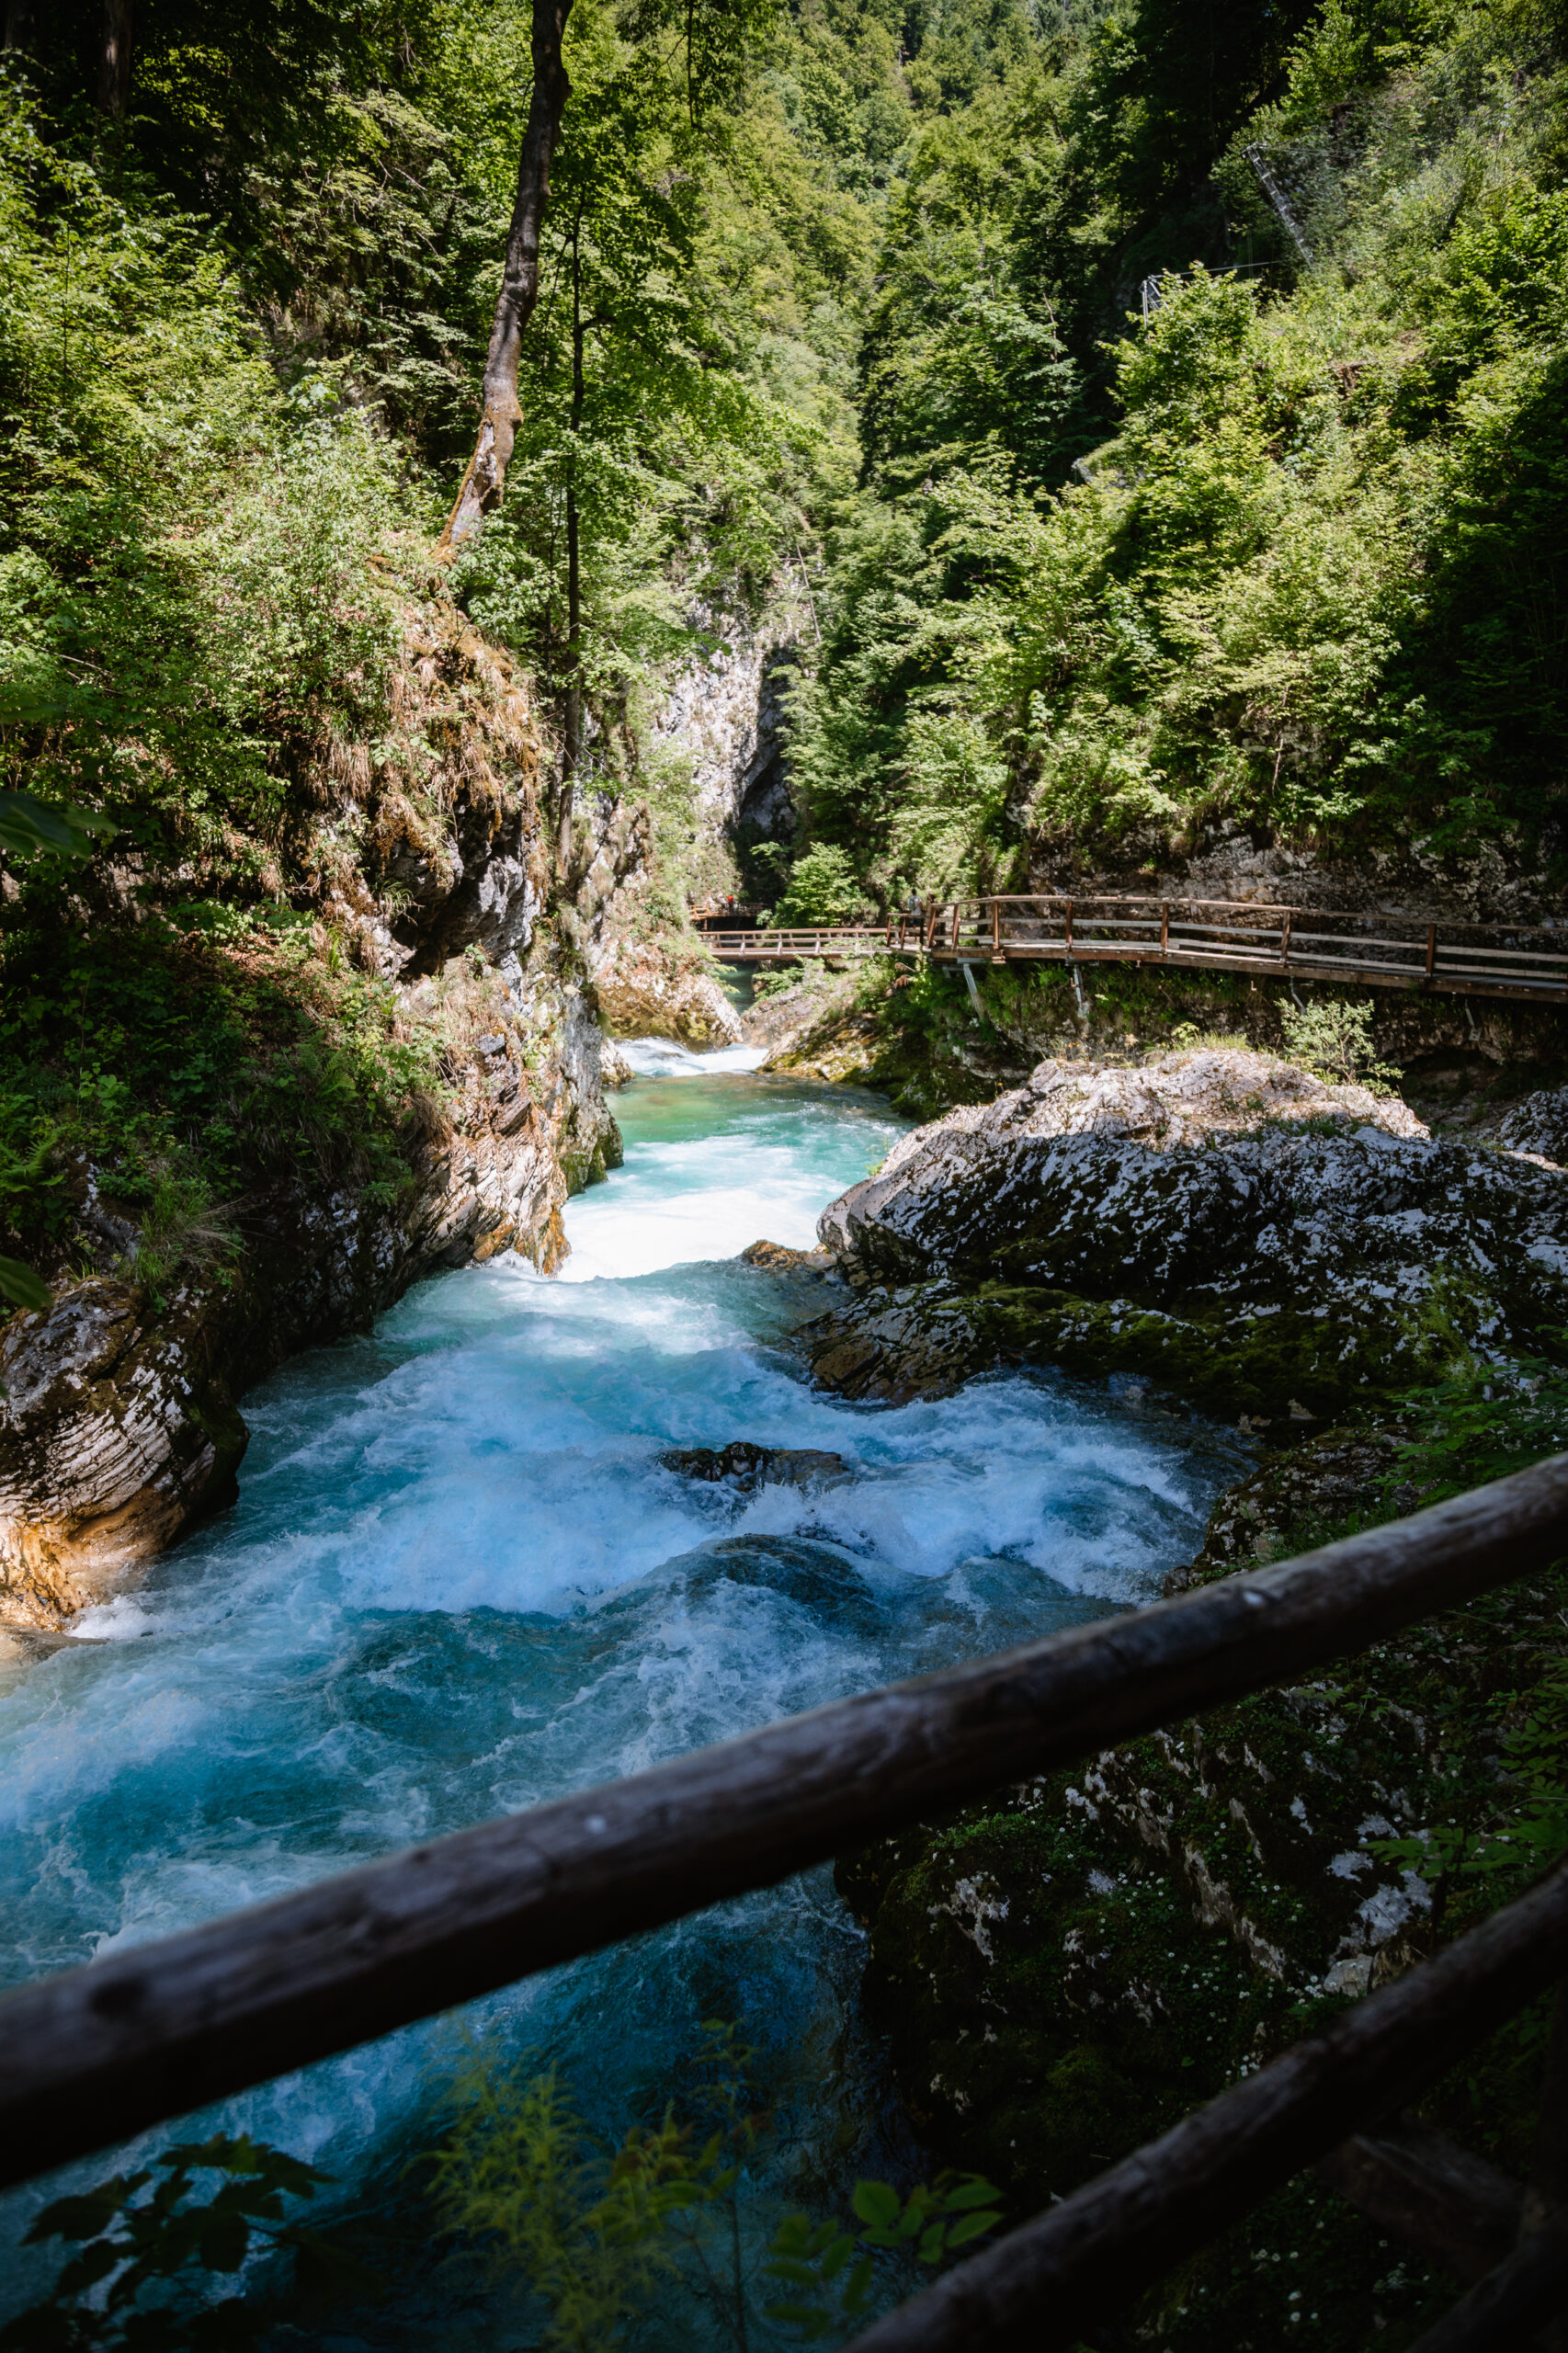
[(458, 1581)]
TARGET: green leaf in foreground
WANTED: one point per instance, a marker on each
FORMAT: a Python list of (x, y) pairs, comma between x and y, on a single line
[(22, 1287), (28, 825)]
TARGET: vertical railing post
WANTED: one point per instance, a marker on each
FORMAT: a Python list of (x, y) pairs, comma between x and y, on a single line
[(1067, 922), (1164, 928), (1285, 936), (995, 926), (955, 926), (932, 912), (1431, 950)]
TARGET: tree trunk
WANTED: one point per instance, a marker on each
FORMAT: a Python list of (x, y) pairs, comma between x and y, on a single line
[(573, 733), (114, 60), (486, 476), (20, 32)]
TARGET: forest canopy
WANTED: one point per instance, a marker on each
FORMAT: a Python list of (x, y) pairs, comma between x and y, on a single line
[(1158, 403)]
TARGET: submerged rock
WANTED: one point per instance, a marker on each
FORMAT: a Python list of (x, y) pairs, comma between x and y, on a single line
[(813, 1577), (748, 1467), (1247, 1237)]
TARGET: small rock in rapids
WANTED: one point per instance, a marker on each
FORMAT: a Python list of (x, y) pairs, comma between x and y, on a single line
[(776, 1258), (751, 1467)]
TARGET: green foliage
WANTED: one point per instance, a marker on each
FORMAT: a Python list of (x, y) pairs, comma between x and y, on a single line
[(829, 2265), (1334, 1037), (1507, 1825), (823, 888), (30, 827), (1309, 576), (596, 2230), (588, 2235), (142, 2239), (21, 1287), (178, 1068), (1480, 1425)]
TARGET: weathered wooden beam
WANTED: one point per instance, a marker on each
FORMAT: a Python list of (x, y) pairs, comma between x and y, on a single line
[(1424, 2188), (93, 2054), (1041, 2284), (1503, 2311)]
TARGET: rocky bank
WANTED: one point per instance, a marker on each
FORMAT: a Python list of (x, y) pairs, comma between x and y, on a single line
[(1062, 1971), (660, 987), (428, 868)]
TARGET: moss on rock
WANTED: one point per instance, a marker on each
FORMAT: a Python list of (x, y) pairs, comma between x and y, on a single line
[(1063, 1971)]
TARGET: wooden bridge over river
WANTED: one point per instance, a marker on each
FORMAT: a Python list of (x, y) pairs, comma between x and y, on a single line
[(1208, 935)]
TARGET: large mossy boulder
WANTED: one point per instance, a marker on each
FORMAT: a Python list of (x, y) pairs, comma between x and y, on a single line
[(1230, 1229), (1063, 1971)]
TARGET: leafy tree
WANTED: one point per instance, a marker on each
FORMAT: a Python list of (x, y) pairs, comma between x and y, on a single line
[(713, 36)]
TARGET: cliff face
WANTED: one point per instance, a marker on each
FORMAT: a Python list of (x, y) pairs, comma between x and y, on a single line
[(118, 1419)]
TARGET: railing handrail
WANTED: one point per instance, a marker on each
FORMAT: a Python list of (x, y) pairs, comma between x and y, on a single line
[(1054, 928), (93, 2054)]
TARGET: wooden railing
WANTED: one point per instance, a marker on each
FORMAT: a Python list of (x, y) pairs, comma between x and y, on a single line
[(757, 946), (1376, 951), (92, 2055)]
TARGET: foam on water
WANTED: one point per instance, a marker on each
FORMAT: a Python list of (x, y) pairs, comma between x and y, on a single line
[(459, 1579)]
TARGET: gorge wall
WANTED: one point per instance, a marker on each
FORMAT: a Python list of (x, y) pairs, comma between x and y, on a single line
[(428, 871)]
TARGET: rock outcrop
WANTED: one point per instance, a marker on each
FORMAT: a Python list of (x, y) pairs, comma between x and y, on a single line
[(1064, 1970), (648, 989), (118, 1419), (1241, 1234), (118, 1424), (778, 1258), (1538, 1127), (724, 713)]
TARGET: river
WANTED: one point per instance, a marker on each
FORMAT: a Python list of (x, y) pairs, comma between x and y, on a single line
[(457, 1580)]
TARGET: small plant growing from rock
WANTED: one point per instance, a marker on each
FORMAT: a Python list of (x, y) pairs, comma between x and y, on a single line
[(830, 2266)]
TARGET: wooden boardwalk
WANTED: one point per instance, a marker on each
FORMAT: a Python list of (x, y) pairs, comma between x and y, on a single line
[(1206, 935)]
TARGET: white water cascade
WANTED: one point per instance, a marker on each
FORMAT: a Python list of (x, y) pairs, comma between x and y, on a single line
[(459, 1580)]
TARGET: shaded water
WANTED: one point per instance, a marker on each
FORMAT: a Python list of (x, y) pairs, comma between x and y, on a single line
[(457, 1580)]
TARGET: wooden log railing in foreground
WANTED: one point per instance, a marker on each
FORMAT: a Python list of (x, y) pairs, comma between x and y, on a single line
[(1044, 2284), (94, 2054), (1225, 936)]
